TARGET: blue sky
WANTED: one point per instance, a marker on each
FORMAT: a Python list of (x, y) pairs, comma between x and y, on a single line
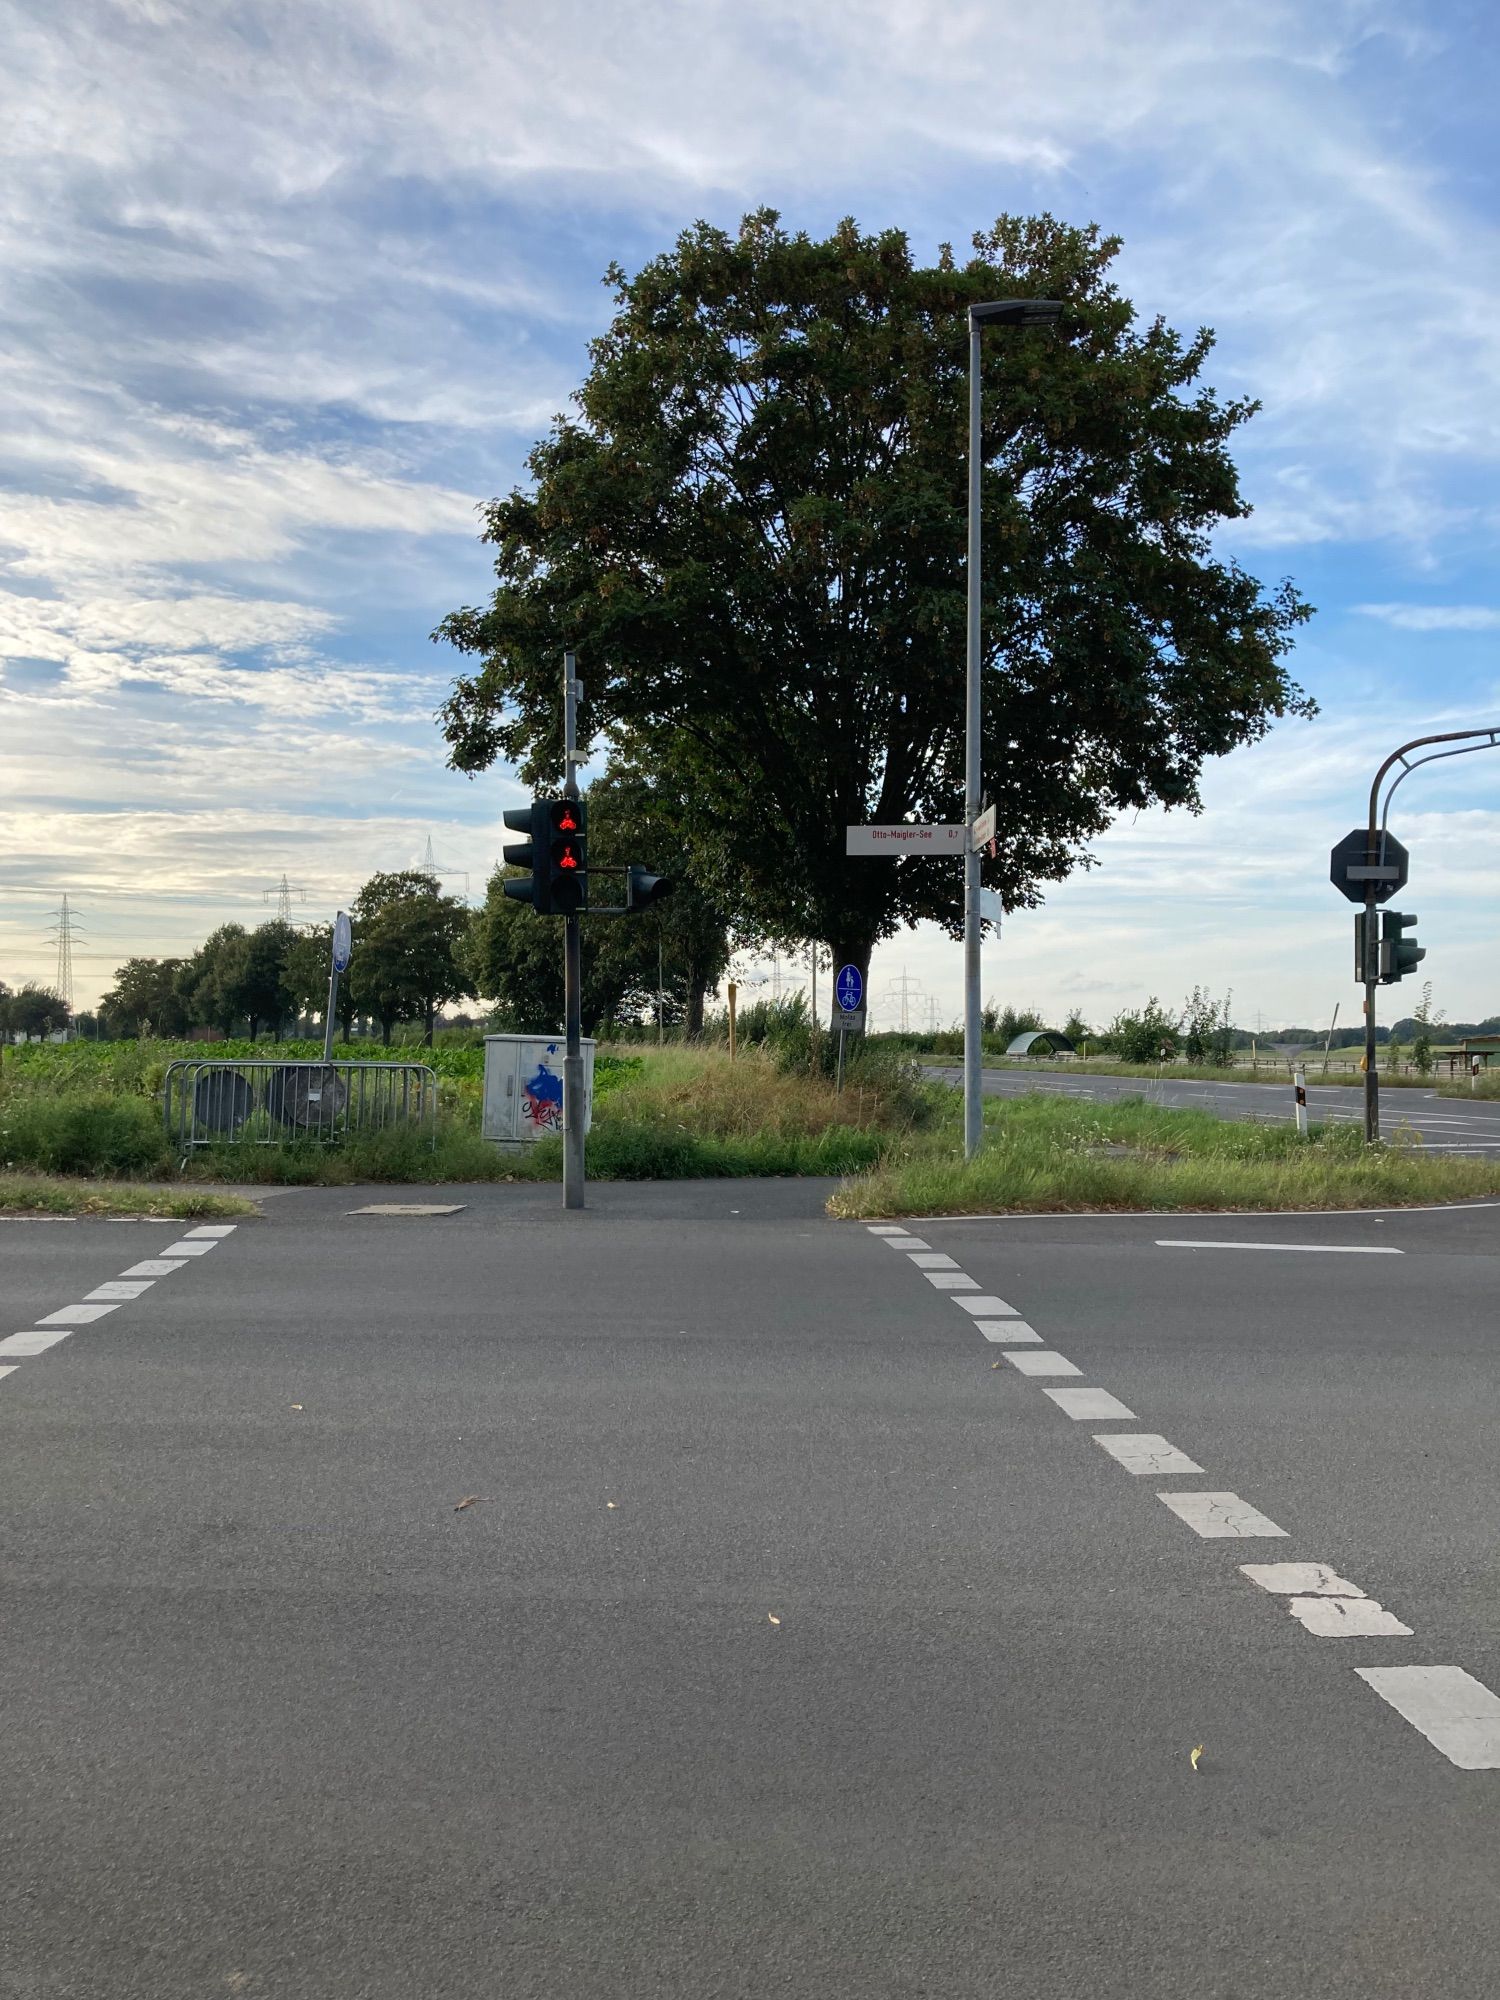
[(291, 287)]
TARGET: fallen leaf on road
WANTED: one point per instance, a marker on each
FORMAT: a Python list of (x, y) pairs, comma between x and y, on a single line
[(773, 1618), (994, 1364), (1194, 1754), (609, 1503), (296, 1406), (471, 1500)]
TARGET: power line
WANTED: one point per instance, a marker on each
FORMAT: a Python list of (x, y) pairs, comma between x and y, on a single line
[(283, 892), (62, 930)]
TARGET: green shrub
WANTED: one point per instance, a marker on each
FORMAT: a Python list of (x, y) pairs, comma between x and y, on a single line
[(82, 1133)]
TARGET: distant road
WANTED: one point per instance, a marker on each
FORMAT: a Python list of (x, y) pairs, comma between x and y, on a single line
[(1443, 1124)]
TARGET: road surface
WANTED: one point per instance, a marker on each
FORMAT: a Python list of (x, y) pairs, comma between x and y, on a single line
[(1439, 1124), (799, 1637)]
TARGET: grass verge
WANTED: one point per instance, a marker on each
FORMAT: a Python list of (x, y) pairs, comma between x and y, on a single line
[(42, 1194), (1048, 1153)]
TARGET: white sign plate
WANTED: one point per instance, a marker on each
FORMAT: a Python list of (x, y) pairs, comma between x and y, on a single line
[(984, 827), (343, 943), (905, 839)]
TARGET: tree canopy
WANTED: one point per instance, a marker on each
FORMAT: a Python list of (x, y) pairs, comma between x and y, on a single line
[(752, 528)]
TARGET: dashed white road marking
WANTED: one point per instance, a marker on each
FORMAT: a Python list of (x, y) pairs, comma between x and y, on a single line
[(154, 1267), (1300, 1579), (1045, 1362), (1145, 1451), (1093, 1403), (120, 1289), (8, 1369), (1325, 1249), (952, 1281), (934, 1260), (212, 1229), (905, 1243), (1007, 1329), (79, 1315), (1216, 1515), (30, 1343), (987, 1306), (1325, 1603), (885, 1228), (1457, 1714), (187, 1249), (1347, 1618)]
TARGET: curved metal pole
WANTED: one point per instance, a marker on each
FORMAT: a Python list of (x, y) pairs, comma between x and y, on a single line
[(1374, 846), (1492, 742)]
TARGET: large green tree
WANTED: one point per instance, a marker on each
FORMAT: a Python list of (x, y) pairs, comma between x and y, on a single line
[(407, 938), (146, 989), (752, 530)]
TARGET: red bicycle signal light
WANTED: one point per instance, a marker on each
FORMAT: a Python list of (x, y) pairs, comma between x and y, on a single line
[(567, 854)]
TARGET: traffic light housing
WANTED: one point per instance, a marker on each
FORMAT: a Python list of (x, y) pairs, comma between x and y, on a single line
[(642, 888), (1398, 955), (565, 827), (523, 854), (1366, 941)]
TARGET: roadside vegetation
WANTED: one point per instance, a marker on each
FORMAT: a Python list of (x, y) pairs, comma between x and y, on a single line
[(1044, 1152), (94, 1109), (46, 1194)]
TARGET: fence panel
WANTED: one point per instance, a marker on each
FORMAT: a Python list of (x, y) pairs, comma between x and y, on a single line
[(265, 1103)]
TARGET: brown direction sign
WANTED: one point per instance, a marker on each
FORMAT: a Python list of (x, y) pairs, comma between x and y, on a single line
[(1355, 875)]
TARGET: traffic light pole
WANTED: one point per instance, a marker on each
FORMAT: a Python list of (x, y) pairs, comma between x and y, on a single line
[(573, 1101), (1371, 969)]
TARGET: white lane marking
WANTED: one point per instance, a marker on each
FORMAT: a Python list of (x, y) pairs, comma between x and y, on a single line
[(1347, 1618), (186, 1249), (154, 1267), (1007, 1329), (1328, 1249), (79, 1315), (885, 1228), (8, 1369), (1092, 1403), (1047, 1362), (987, 1305), (31, 1343), (1457, 1714), (1300, 1579), (952, 1281), (905, 1243), (212, 1229), (120, 1289), (1145, 1451), (934, 1260), (1215, 1515)]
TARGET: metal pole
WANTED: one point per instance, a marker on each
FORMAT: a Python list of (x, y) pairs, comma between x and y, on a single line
[(973, 1076), (573, 1107), (1372, 974), (733, 996)]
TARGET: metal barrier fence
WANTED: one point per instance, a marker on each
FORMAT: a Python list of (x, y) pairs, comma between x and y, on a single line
[(261, 1103)]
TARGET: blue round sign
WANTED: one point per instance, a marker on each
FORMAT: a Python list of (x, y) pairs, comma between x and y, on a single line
[(850, 987)]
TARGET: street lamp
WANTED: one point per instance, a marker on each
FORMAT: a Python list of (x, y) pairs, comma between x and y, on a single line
[(1014, 313)]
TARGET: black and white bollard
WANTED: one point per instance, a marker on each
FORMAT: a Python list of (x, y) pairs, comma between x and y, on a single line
[(1299, 1085)]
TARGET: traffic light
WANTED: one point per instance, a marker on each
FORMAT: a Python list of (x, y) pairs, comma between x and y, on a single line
[(523, 854), (1398, 955), (642, 888), (1364, 942), (566, 829)]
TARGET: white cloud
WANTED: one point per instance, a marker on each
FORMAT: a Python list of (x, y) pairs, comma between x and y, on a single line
[(1435, 617)]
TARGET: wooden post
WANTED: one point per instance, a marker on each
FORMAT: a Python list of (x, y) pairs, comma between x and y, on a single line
[(733, 996)]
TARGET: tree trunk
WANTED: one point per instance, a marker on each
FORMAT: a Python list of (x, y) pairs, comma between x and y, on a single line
[(697, 989), (431, 1026), (385, 1032)]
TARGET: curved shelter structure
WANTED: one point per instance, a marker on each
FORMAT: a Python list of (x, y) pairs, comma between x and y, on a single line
[(1041, 1042)]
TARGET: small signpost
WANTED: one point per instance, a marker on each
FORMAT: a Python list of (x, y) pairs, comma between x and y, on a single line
[(339, 957), (983, 828), (849, 991)]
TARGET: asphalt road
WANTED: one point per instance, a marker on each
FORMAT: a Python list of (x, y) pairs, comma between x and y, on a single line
[(880, 1676), (1420, 1117)]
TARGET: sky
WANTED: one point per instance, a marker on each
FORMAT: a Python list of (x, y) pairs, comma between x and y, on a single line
[(292, 286)]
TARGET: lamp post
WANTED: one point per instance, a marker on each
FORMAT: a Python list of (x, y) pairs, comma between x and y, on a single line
[(1001, 312)]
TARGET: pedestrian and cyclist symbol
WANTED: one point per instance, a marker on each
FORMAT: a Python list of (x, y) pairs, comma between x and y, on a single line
[(850, 988)]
